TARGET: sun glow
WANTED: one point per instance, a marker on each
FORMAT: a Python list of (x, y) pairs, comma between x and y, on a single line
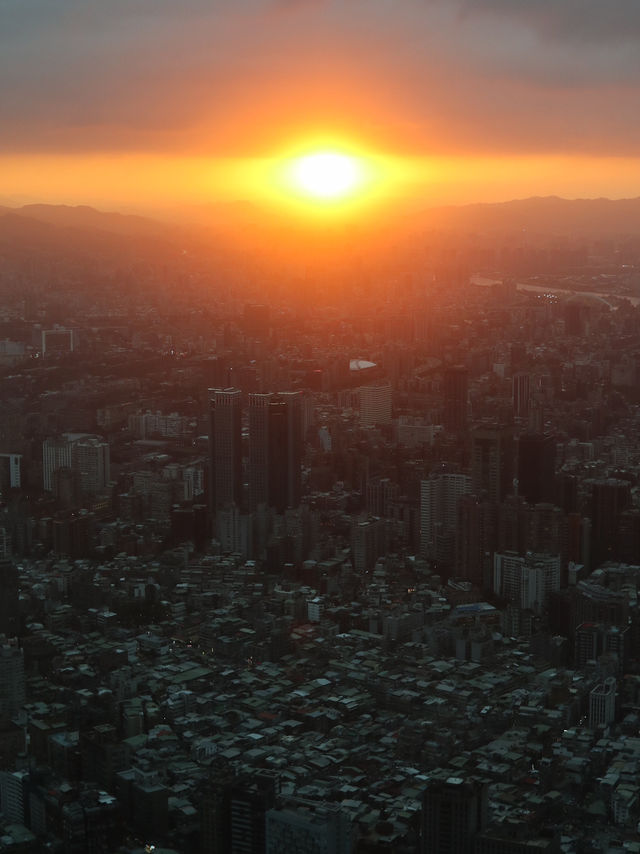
[(327, 178), (327, 174)]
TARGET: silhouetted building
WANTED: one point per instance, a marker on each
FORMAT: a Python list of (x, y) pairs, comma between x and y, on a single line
[(521, 393), (10, 472), (320, 827), (225, 453), (567, 492), (609, 498), (439, 496), (12, 681), (249, 800), (629, 536), (368, 542), (375, 405), (476, 539), (90, 463), (536, 467), (492, 462), (453, 812), (456, 392), (381, 493), (275, 450), (9, 589), (526, 581), (602, 704)]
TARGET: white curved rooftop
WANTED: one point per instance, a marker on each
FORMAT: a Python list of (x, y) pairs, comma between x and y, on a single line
[(360, 365)]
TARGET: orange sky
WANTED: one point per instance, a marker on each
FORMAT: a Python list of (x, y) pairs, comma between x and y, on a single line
[(155, 105)]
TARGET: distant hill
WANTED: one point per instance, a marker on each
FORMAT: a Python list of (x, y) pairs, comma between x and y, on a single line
[(51, 231), (543, 215), (241, 226), (84, 217)]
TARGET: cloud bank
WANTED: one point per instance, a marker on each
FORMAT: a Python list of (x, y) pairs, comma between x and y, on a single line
[(418, 76)]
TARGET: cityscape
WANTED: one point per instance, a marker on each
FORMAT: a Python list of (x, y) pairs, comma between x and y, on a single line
[(319, 427), (352, 576)]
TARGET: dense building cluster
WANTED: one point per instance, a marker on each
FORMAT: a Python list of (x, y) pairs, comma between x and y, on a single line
[(287, 568)]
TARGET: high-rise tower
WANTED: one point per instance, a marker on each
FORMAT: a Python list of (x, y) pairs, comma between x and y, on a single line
[(521, 392), (453, 812), (225, 454), (456, 389), (275, 450), (536, 467), (492, 461)]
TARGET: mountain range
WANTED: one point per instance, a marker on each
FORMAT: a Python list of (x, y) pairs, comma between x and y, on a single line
[(47, 226)]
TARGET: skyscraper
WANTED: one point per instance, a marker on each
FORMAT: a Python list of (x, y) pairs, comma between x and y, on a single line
[(225, 453), (453, 812), (90, 464), (609, 498), (56, 453), (9, 593), (536, 467), (521, 392), (12, 681), (439, 496), (526, 581), (602, 704), (250, 799), (275, 450), (492, 461), (310, 827), (476, 539), (375, 405), (456, 390)]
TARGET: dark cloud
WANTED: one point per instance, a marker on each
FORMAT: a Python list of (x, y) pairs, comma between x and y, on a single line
[(593, 21), (232, 76)]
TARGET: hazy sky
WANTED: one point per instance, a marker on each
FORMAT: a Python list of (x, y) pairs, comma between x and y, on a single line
[(175, 85)]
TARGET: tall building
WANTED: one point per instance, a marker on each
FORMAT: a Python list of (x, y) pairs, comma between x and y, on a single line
[(453, 812), (492, 461), (594, 639), (90, 464), (233, 812), (526, 581), (275, 450), (536, 467), (56, 453), (456, 393), (521, 393), (380, 494), (10, 472), (439, 497), (476, 539), (368, 542), (9, 591), (375, 405), (85, 455), (250, 799), (312, 828), (12, 681), (602, 704), (225, 451), (14, 795), (609, 498)]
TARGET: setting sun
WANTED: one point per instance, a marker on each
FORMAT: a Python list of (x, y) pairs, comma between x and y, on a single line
[(327, 174), (326, 178)]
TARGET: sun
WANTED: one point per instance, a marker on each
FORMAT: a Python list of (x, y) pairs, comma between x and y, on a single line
[(327, 175), (325, 179)]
